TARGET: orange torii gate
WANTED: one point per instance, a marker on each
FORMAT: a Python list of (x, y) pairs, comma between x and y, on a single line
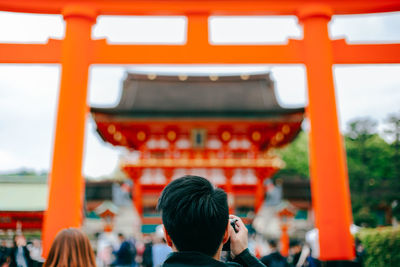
[(331, 198)]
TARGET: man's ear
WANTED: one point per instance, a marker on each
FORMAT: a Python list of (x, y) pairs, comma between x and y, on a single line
[(226, 234), (167, 237)]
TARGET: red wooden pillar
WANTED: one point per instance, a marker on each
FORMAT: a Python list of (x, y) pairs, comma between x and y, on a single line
[(229, 189), (66, 183), (329, 181), (197, 30), (285, 215), (260, 191), (168, 173), (284, 241), (137, 191)]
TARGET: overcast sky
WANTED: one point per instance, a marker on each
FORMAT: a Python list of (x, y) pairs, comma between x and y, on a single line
[(28, 93)]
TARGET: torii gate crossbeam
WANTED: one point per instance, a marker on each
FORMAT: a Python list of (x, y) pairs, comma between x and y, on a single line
[(330, 191)]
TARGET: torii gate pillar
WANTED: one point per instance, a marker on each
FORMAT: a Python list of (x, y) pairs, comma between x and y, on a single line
[(329, 180), (66, 184)]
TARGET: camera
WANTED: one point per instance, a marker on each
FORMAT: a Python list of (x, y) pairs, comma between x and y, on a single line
[(227, 245)]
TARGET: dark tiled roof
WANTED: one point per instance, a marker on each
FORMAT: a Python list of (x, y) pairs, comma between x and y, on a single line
[(197, 96), (296, 189)]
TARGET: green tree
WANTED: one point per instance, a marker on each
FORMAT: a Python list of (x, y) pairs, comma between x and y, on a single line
[(392, 132), (371, 162), (371, 171), (359, 134), (295, 155)]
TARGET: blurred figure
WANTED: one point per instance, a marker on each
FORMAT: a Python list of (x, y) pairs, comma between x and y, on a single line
[(160, 252), (19, 254), (4, 254), (125, 255), (274, 259), (306, 259), (4, 261), (140, 247), (70, 248), (160, 248), (35, 251), (105, 243), (294, 252), (104, 256), (147, 260), (360, 252)]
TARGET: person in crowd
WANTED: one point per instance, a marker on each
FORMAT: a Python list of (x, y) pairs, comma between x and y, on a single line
[(360, 252), (104, 256), (35, 251), (4, 261), (147, 258), (70, 248), (197, 223), (106, 242), (160, 249), (140, 246), (4, 254), (294, 252), (274, 259), (19, 254), (125, 255)]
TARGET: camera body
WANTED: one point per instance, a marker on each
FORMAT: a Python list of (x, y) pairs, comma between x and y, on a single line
[(227, 245), (233, 224)]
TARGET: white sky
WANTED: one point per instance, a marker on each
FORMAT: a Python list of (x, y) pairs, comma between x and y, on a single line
[(28, 93)]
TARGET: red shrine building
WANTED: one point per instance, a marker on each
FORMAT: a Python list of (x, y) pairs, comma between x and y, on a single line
[(224, 128), (23, 201)]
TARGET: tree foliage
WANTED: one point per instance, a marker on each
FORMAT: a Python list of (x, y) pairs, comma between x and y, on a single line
[(373, 162), (295, 156), (392, 131), (382, 246), (372, 171)]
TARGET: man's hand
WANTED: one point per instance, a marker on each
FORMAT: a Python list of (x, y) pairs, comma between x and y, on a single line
[(239, 240)]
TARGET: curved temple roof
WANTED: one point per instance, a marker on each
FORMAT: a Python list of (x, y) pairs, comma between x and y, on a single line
[(152, 96)]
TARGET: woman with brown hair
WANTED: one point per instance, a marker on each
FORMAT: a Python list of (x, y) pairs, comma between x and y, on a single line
[(71, 248)]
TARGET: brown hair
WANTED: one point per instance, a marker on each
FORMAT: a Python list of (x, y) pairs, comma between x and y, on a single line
[(71, 248)]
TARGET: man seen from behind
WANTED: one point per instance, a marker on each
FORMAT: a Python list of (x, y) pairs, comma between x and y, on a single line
[(196, 222)]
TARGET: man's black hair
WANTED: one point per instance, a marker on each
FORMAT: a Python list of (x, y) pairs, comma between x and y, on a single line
[(272, 243), (195, 214), (294, 242)]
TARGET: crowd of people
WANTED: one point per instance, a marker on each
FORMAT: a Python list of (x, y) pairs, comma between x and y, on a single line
[(21, 253), (151, 251), (196, 225)]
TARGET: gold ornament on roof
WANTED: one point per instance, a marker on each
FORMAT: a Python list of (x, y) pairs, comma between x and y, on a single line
[(118, 136), (244, 77), (111, 129), (256, 136), (171, 135), (226, 136), (286, 129), (152, 76), (182, 77), (213, 78), (141, 136)]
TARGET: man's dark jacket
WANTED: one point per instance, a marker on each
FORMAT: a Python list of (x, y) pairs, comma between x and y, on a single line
[(192, 258), (13, 255), (275, 259)]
